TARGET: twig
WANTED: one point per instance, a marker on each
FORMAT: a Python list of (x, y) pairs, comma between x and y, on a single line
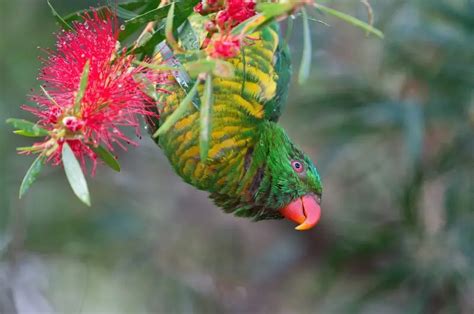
[(370, 12)]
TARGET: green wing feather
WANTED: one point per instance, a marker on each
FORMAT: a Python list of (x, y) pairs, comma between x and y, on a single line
[(282, 65)]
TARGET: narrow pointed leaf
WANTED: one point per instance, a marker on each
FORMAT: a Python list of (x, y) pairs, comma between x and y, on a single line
[(178, 113), (82, 87), (169, 29), (350, 19), (29, 134), (154, 13), (205, 119), (217, 67), (267, 13), (305, 65), (158, 67), (78, 15), (194, 68), (183, 10), (58, 17), (125, 14), (148, 16), (169, 21), (28, 149), (27, 128), (142, 40), (271, 10), (31, 175), (75, 175), (250, 25), (107, 157)]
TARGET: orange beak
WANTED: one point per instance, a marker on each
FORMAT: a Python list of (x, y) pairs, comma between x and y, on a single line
[(305, 211)]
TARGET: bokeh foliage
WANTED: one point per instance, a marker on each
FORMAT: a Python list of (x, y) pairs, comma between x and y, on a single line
[(389, 124)]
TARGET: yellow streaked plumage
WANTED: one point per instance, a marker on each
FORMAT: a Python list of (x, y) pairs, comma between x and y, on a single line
[(238, 108)]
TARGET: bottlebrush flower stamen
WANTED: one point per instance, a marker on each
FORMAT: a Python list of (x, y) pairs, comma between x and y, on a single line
[(224, 16)]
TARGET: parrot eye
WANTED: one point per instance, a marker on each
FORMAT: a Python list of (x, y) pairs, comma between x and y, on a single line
[(297, 166)]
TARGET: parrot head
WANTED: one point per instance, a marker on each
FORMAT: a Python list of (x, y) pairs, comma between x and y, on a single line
[(302, 190), (294, 183)]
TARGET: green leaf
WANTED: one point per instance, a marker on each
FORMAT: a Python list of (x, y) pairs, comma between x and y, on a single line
[(125, 14), (31, 175), (28, 149), (205, 119), (145, 11), (144, 37), (58, 17), (138, 6), (250, 25), (169, 27), (268, 12), (132, 25), (217, 67), (27, 128), (151, 15), (305, 65), (194, 68), (178, 113), (271, 10), (77, 16), (350, 19), (82, 87), (127, 11), (188, 36), (182, 11), (27, 134), (158, 67), (107, 157), (75, 175)]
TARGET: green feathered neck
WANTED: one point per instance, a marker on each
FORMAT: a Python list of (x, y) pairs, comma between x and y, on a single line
[(269, 182)]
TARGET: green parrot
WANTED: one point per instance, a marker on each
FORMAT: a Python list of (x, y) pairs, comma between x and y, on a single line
[(253, 169)]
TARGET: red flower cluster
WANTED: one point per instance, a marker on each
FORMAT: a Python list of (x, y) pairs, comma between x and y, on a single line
[(112, 97), (225, 47), (230, 13), (235, 12)]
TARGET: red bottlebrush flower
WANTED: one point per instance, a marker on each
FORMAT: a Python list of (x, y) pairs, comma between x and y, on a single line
[(112, 97), (73, 124), (236, 11), (226, 46)]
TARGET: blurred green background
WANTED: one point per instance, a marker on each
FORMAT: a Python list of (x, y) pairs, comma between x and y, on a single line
[(390, 125)]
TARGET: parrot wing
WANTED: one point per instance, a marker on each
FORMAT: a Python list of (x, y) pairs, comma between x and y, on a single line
[(263, 70)]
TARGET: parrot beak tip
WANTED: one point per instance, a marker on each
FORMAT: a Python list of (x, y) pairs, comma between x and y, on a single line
[(306, 211)]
